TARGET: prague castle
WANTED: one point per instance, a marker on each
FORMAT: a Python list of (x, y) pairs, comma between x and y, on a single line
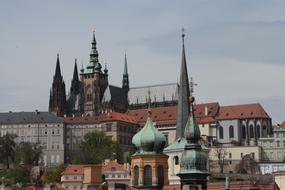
[(91, 94)]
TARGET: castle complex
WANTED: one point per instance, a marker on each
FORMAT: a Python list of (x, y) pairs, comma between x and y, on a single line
[(91, 94)]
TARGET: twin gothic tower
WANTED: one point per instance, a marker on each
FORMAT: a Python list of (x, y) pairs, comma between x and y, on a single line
[(87, 93)]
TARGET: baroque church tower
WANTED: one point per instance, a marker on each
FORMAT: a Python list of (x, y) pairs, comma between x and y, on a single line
[(57, 100), (94, 83)]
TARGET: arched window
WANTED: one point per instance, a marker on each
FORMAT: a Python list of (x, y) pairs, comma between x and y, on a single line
[(243, 131), (160, 176), (258, 131), (221, 132), (136, 175), (176, 160), (231, 131), (147, 175), (264, 131), (251, 132)]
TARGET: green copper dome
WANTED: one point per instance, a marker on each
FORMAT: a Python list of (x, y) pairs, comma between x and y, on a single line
[(149, 140)]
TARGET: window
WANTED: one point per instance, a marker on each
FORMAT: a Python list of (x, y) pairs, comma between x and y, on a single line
[(52, 159), (176, 160), (278, 143), (221, 132), (230, 155), (109, 127), (147, 175), (277, 134), (160, 176), (251, 133), (241, 155), (57, 158), (231, 131), (283, 143), (136, 176), (243, 132), (258, 131)]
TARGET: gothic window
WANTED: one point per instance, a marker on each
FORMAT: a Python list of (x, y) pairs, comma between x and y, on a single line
[(176, 160), (258, 131), (243, 131), (221, 132), (136, 176), (160, 176), (89, 97), (251, 133), (147, 175), (231, 131)]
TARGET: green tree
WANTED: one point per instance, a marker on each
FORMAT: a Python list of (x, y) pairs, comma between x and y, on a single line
[(131, 152), (52, 174), (18, 175), (7, 148), (28, 153), (96, 147)]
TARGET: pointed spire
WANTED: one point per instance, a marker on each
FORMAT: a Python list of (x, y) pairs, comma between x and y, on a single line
[(74, 88), (125, 81), (183, 95), (75, 72), (126, 65), (94, 65), (57, 69)]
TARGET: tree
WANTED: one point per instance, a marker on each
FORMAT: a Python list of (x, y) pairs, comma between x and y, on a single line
[(248, 165), (7, 148), (18, 175), (28, 153), (220, 153), (52, 174), (96, 147)]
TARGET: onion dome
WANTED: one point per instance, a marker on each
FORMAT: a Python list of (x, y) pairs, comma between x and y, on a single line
[(149, 140)]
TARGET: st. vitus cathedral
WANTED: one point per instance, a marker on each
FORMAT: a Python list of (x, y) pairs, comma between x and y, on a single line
[(91, 94)]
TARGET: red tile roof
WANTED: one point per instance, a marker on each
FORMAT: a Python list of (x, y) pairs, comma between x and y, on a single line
[(106, 117), (167, 115), (74, 170), (244, 111), (113, 164)]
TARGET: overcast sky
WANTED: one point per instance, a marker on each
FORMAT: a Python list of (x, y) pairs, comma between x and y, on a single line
[(235, 48)]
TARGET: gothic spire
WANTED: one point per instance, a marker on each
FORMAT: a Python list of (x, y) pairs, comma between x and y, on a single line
[(75, 81), (183, 95), (57, 69), (75, 72), (125, 82)]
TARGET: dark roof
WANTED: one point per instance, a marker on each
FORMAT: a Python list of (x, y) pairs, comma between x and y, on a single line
[(29, 117), (115, 94)]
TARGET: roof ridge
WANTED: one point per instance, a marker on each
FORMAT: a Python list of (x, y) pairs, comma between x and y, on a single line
[(154, 85)]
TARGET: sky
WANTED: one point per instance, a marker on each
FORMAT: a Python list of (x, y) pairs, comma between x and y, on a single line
[(235, 48)]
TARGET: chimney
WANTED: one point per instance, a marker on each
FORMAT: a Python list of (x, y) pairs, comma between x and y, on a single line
[(206, 110)]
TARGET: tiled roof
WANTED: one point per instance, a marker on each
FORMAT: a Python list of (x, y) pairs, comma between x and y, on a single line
[(74, 170), (112, 116), (244, 111), (113, 164), (29, 118), (167, 115)]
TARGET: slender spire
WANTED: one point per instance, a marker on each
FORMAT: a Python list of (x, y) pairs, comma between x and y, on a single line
[(125, 82), (183, 95), (75, 80), (75, 72), (57, 69), (95, 66)]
